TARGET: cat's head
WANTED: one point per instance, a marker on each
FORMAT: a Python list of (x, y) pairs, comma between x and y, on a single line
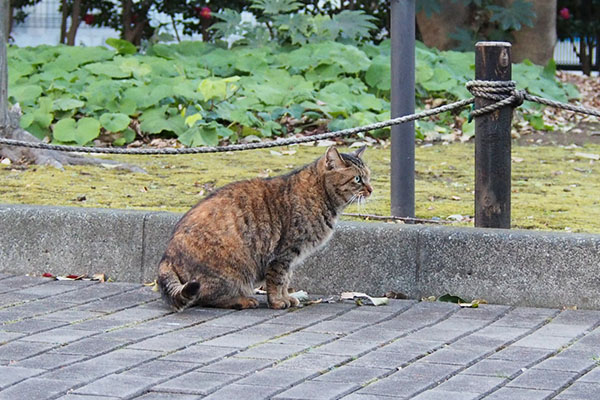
[(346, 176)]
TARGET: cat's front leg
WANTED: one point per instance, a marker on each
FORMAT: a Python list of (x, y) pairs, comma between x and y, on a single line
[(278, 280)]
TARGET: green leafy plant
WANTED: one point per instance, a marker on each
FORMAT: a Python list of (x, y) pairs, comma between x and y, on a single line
[(202, 94)]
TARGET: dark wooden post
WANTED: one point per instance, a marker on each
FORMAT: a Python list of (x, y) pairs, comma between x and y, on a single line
[(492, 141), (402, 26)]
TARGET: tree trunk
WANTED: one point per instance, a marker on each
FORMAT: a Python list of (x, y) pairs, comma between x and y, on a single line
[(436, 29), (63, 22), (75, 21), (537, 43)]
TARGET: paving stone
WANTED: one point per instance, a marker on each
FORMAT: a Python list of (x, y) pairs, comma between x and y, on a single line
[(99, 324), (480, 342), (411, 380), (450, 355), (561, 330), (50, 360), (346, 348), (90, 346), (305, 338), (592, 376), (526, 317), (580, 391), (525, 354), (72, 315), (132, 334), (237, 339), (243, 392), (564, 362), (93, 293), (496, 368), (82, 373), (435, 334), (335, 326), (277, 377), (361, 396), (203, 332), (166, 342), (31, 326), (543, 379), (18, 350), (272, 351), (513, 393), (72, 396), (8, 336), (35, 388), (438, 394), (61, 335), (236, 320), (196, 383), (52, 289), (349, 374), (412, 345), (374, 333), (313, 361), (505, 333), (384, 359), (201, 354), (488, 312), (471, 383), (237, 366), (316, 390), (160, 369), (543, 342), (163, 396), (118, 385), (10, 375), (585, 318), (363, 317)]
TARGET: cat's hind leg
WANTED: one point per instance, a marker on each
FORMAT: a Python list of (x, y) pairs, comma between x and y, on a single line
[(278, 280)]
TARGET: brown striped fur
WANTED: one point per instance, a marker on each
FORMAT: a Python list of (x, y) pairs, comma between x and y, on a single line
[(257, 230)]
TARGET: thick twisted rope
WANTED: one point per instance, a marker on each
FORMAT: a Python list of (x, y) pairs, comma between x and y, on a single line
[(506, 94)]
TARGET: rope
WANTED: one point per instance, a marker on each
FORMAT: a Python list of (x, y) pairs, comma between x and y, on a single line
[(504, 93)]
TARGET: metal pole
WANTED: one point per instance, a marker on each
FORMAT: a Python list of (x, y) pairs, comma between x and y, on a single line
[(4, 8), (492, 141), (402, 26)]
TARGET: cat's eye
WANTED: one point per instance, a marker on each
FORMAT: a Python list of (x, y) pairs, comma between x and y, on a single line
[(357, 179)]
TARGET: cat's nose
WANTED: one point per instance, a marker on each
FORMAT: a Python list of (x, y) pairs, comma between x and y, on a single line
[(368, 189)]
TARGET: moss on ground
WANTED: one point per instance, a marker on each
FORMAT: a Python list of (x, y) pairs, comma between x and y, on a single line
[(553, 187)]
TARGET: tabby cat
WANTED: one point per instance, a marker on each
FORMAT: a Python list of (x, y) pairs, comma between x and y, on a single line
[(256, 231)]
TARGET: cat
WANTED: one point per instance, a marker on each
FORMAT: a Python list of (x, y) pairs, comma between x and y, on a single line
[(256, 231)]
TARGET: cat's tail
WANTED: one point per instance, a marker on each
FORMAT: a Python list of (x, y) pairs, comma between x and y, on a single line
[(174, 293)]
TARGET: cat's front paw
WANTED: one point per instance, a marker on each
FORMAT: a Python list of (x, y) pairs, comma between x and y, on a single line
[(281, 303)]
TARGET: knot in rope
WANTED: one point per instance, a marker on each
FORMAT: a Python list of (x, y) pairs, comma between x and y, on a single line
[(504, 93)]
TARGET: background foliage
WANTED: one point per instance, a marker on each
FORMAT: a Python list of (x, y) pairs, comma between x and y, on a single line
[(577, 21), (202, 93)]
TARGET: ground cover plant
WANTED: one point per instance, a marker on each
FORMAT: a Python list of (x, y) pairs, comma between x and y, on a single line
[(554, 187), (203, 94)]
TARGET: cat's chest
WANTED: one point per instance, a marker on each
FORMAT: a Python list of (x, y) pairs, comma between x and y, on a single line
[(312, 242)]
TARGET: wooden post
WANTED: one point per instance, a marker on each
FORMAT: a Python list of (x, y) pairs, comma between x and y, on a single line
[(402, 26), (492, 141)]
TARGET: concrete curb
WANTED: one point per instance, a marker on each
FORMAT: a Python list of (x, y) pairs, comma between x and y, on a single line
[(543, 269)]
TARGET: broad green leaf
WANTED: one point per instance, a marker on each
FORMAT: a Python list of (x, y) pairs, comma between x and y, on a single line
[(379, 73), (114, 122), (25, 94), (88, 129), (64, 130), (64, 104), (192, 119), (121, 46)]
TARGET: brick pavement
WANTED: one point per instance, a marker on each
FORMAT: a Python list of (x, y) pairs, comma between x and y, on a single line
[(84, 340)]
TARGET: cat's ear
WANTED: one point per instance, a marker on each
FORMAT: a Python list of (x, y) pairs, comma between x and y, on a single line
[(359, 152), (333, 159)]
